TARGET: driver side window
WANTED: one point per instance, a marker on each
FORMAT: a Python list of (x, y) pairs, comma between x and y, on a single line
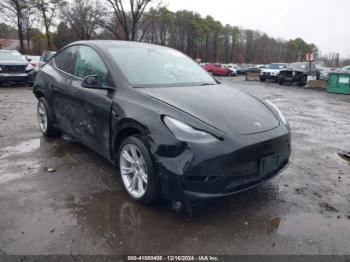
[(66, 59), (90, 63)]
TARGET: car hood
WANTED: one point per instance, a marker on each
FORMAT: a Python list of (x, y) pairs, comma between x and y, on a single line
[(222, 107), (15, 63)]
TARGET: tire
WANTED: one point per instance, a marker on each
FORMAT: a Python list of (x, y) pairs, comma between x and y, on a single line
[(262, 79), (302, 82), (280, 82), (44, 112), (139, 165)]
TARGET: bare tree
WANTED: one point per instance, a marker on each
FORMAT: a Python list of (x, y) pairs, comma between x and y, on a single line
[(129, 20), (48, 9), (14, 13), (83, 17), (29, 18)]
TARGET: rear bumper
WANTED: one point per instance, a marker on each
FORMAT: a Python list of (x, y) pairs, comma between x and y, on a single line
[(207, 173)]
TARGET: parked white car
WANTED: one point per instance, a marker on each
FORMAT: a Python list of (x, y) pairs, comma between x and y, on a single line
[(232, 68), (272, 71), (261, 66)]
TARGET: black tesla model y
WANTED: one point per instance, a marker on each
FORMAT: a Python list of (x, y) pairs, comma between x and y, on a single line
[(171, 129)]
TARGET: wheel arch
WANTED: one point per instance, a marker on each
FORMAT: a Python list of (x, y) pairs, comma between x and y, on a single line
[(38, 92), (126, 128)]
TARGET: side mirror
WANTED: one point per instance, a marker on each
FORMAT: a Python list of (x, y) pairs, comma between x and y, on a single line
[(28, 59), (92, 82)]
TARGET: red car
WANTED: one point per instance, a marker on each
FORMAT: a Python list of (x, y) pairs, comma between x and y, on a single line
[(217, 70)]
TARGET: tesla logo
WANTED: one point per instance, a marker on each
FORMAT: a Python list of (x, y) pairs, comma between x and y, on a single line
[(258, 124)]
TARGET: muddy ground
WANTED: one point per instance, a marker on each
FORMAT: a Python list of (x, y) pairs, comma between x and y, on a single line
[(82, 209)]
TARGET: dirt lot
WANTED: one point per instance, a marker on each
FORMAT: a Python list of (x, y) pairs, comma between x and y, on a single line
[(82, 209)]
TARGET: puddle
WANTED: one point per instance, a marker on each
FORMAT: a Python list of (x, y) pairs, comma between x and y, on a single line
[(21, 148), (315, 225), (126, 226)]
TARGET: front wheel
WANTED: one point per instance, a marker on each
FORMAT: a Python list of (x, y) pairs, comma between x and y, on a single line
[(137, 171), (45, 119), (302, 82)]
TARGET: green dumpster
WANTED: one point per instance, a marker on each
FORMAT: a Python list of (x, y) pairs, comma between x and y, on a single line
[(339, 83)]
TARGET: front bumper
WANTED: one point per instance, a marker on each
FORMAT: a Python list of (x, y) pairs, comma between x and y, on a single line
[(17, 78), (268, 76), (200, 172), (289, 78)]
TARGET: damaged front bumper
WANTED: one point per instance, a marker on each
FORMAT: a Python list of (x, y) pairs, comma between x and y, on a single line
[(290, 76), (198, 172)]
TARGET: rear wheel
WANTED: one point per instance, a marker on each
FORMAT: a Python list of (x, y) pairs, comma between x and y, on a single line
[(262, 79), (45, 119), (137, 171), (280, 82)]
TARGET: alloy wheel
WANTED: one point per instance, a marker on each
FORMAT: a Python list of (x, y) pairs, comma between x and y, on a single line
[(133, 170), (42, 117)]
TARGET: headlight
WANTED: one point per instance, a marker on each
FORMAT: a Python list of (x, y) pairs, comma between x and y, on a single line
[(29, 67), (187, 133), (280, 114)]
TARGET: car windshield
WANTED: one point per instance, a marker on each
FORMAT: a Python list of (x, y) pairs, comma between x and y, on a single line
[(160, 67), (12, 56), (276, 66)]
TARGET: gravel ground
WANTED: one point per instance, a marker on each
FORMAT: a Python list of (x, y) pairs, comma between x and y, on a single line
[(82, 209)]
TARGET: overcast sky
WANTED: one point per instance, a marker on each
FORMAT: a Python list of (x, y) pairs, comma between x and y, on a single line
[(325, 23)]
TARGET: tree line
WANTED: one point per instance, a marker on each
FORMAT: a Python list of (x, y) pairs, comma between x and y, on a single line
[(147, 21)]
